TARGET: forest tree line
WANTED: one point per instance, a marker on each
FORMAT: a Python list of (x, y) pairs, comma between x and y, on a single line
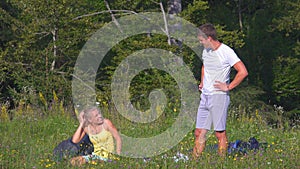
[(40, 41)]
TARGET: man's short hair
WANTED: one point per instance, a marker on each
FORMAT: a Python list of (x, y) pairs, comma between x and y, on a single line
[(208, 29)]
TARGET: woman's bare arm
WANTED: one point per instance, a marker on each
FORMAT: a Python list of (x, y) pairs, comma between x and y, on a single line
[(79, 133), (115, 134)]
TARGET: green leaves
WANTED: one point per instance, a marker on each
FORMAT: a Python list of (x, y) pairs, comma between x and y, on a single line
[(41, 40), (196, 12), (286, 82)]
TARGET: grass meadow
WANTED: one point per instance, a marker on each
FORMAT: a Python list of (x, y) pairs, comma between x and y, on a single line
[(27, 141)]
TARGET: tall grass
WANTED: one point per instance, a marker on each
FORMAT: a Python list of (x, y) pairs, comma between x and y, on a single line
[(27, 141)]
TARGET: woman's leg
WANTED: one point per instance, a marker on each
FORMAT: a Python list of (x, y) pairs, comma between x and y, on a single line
[(77, 161)]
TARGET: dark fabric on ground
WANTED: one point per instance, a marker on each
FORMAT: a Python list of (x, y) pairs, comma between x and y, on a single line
[(67, 149), (241, 147)]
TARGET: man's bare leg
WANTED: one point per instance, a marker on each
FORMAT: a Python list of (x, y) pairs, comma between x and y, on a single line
[(200, 140), (222, 142)]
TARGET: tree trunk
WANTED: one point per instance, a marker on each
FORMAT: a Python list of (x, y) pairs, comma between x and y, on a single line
[(174, 8), (54, 37), (240, 14)]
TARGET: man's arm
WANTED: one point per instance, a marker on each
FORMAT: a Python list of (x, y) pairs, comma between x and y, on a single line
[(239, 77), (202, 76)]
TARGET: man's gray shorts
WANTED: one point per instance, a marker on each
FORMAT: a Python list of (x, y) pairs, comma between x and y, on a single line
[(213, 110)]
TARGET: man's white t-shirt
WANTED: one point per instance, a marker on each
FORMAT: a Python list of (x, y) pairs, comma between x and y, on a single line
[(217, 65)]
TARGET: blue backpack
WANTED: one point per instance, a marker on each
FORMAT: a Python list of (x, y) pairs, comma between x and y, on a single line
[(242, 147)]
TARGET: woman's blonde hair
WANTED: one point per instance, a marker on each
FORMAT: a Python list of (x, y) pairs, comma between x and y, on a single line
[(87, 113)]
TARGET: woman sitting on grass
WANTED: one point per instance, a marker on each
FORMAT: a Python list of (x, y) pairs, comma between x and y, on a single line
[(101, 133)]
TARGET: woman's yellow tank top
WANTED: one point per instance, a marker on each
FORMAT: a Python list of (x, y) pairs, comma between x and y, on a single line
[(103, 143)]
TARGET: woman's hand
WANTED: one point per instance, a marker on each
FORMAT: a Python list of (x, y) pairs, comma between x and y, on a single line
[(79, 133), (81, 118)]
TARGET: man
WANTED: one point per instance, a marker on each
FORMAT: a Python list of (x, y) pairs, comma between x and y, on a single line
[(215, 85)]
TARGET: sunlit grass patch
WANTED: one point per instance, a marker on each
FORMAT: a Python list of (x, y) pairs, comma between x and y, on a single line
[(29, 143)]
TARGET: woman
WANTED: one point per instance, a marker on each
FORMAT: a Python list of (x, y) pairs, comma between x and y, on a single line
[(101, 133)]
